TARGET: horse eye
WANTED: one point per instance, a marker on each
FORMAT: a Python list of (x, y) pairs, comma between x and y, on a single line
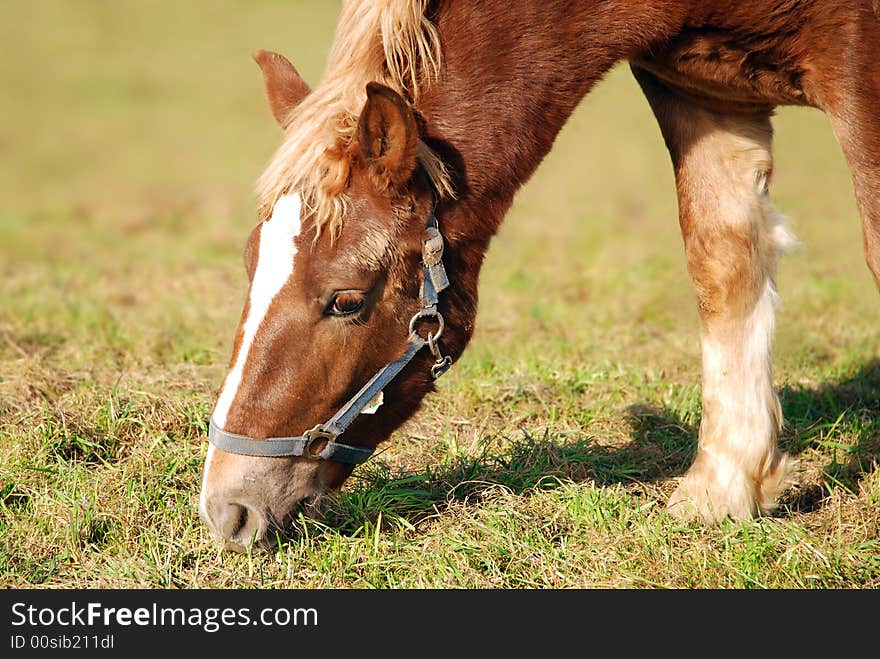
[(345, 304)]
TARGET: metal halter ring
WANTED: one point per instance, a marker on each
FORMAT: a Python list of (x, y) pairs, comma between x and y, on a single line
[(311, 436), (428, 313)]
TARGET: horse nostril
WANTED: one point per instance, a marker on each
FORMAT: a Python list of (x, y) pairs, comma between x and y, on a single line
[(239, 525), (234, 519)]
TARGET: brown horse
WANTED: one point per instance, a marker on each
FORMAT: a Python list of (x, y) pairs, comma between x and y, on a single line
[(397, 169)]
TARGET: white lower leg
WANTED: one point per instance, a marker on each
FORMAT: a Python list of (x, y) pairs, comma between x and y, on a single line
[(732, 236), (738, 470)]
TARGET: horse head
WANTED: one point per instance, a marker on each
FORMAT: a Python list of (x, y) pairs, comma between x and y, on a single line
[(340, 337)]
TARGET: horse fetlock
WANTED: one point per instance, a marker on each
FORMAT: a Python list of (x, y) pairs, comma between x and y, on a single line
[(717, 486)]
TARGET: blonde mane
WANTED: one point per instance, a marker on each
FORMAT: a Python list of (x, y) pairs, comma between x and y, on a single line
[(387, 41)]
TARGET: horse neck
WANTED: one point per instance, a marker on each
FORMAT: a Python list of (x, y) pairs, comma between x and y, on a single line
[(513, 74)]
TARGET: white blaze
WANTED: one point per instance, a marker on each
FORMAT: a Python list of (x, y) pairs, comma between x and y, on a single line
[(274, 267)]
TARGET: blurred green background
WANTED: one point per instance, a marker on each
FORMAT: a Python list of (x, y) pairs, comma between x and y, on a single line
[(129, 123)]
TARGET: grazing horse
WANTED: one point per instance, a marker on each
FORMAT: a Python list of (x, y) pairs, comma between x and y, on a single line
[(394, 173)]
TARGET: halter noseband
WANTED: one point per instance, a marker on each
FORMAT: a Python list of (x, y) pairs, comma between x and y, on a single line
[(433, 283)]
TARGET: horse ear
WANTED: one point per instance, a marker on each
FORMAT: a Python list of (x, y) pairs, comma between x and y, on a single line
[(285, 88), (388, 137)]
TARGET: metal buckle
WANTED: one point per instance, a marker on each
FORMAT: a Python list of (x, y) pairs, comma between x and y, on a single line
[(441, 366), (442, 363), (316, 433), (432, 247)]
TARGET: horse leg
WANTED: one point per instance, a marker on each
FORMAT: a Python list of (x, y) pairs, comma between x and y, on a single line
[(732, 236), (857, 128)]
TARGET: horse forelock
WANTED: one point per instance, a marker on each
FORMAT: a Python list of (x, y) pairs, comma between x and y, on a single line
[(390, 41)]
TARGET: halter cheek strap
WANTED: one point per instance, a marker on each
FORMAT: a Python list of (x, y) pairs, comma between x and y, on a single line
[(434, 281)]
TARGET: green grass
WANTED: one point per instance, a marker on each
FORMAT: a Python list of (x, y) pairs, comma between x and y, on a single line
[(129, 150)]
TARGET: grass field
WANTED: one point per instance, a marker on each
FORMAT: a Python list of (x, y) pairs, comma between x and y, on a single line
[(132, 135)]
